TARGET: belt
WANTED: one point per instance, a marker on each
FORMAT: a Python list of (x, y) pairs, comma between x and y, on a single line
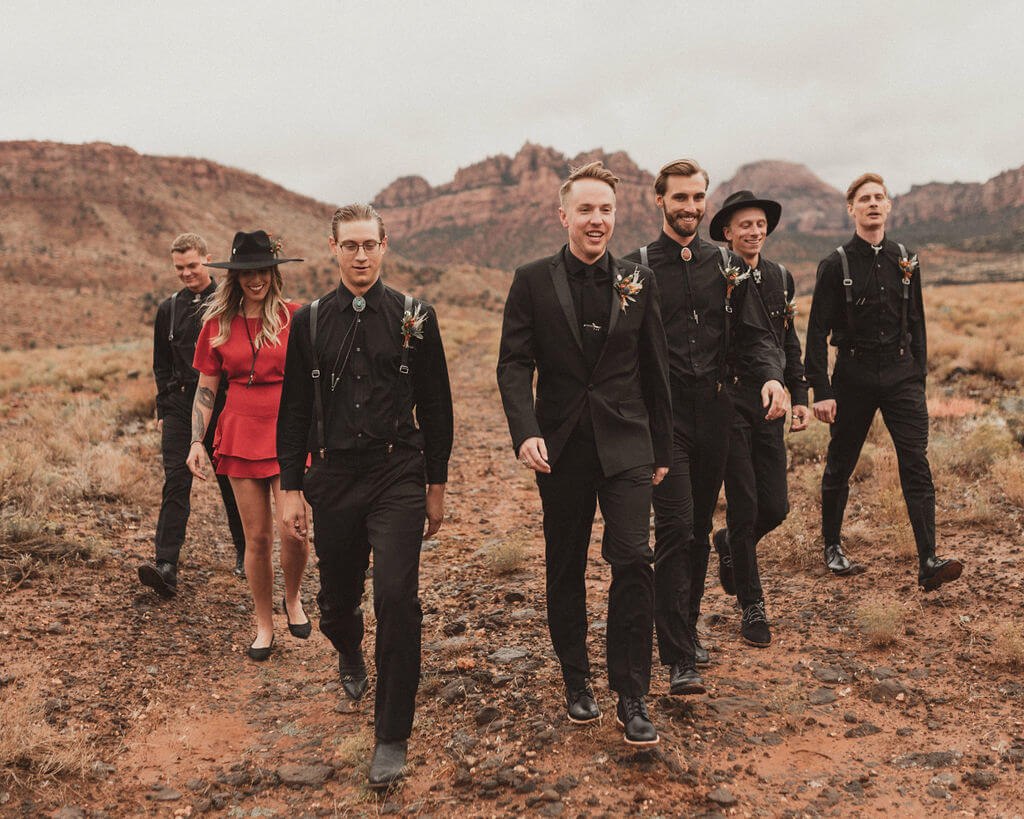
[(365, 457)]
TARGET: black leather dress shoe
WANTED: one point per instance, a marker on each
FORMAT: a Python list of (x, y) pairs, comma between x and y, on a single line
[(701, 656), (582, 707), (836, 560), (352, 671), (388, 765), (725, 577), (685, 679), (632, 716), (935, 571), (239, 570), (300, 630), (161, 576)]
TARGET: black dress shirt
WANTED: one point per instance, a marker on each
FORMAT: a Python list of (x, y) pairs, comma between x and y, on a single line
[(774, 290), (359, 355), (693, 312), (172, 358), (877, 306)]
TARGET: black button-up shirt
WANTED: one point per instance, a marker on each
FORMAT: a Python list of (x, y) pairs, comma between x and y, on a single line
[(775, 290), (176, 379), (693, 312), (359, 355), (877, 308), (591, 289)]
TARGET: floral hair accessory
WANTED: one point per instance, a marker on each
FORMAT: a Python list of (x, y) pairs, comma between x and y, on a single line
[(412, 325), (790, 311), (628, 288), (908, 266)]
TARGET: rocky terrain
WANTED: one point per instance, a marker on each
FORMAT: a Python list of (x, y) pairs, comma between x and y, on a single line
[(872, 699)]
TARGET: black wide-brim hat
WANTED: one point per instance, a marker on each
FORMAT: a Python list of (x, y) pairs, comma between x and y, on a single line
[(738, 201), (252, 251)]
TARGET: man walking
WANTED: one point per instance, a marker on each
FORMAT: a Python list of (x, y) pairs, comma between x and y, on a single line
[(868, 297), (175, 331), (755, 473), (361, 359), (704, 298), (589, 326)]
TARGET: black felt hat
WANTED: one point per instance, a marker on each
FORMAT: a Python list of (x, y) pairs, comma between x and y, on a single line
[(738, 201), (252, 251)]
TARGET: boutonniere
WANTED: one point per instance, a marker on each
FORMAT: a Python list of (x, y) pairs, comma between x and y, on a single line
[(908, 266), (732, 277), (412, 325), (628, 288), (790, 311)]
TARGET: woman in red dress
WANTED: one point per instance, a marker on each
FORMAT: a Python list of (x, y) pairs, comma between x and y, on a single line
[(245, 336)]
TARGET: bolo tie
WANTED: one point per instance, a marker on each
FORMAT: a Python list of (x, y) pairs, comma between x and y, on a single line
[(349, 341)]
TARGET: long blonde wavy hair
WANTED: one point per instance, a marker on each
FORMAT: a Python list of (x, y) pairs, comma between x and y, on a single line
[(226, 303)]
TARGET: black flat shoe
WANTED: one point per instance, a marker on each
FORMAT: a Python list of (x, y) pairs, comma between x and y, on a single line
[(239, 570), (161, 577), (260, 654), (300, 630), (935, 571), (388, 765)]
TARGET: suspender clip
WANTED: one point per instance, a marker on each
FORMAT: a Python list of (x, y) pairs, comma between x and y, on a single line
[(403, 369), (316, 373), (847, 282)]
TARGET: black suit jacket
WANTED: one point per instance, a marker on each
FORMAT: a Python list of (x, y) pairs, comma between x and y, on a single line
[(628, 391)]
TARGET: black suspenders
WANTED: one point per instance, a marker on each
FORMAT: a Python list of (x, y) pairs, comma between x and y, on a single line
[(848, 294), (318, 407), (170, 334)]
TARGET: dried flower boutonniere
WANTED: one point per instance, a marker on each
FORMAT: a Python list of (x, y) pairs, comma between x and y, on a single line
[(732, 277), (412, 325), (790, 312), (628, 288), (908, 266)]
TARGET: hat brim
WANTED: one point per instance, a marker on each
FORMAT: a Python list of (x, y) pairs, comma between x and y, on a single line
[(772, 211), (251, 264)]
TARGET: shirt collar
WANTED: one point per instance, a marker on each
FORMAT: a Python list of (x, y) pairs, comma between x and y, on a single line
[(372, 296), (861, 245), (673, 248), (576, 267)]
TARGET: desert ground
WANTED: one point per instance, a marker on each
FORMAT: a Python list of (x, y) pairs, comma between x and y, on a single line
[(873, 699)]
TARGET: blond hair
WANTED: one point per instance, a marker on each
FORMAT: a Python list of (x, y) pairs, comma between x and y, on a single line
[(226, 303), (863, 179), (679, 167), (592, 170), (189, 241), (356, 212)]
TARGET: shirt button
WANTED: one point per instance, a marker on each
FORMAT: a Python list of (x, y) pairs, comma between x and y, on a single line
[(359, 349), (359, 435), (357, 406)]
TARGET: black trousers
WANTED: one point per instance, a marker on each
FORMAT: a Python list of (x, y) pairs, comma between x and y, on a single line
[(375, 505), (175, 504), (684, 505), (755, 486), (569, 496), (863, 385)]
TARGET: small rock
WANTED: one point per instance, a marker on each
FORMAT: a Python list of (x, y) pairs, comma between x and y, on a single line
[(945, 779), (6, 679), (152, 670), (724, 706), (508, 655), (865, 729), (70, 812), (453, 628), (195, 784), (888, 690), (161, 793), (566, 784), (854, 787), (523, 614), (515, 597), (56, 628), (850, 718), (552, 809), (883, 672), (932, 760), (937, 792), (486, 715), (720, 796), (456, 690), (550, 795), (300, 776), (830, 796), (982, 779), (822, 696), (830, 674)]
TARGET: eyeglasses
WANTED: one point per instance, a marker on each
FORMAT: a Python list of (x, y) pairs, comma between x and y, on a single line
[(370, 246)]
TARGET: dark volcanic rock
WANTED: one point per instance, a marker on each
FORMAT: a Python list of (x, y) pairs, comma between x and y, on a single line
[(935, 759), (302, 776), (486, 714), (864, 730), (724, 706), (822, 696), (888, 690), (720, 796), (982, 779), (830, 674)]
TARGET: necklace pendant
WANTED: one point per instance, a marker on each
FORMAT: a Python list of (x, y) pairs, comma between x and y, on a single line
[(686, 254), (359, 304), (250, 380)]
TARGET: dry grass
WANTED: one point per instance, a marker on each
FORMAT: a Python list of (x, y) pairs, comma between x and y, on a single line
[(352, 750), (973, 453), (880, 622), (809, 445), (1008, 474), (796, 543), (32, 748), (1009, 644), (509, 553)]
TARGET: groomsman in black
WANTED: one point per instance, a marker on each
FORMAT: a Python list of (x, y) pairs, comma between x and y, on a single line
[(704, 301), (755, 473), (868, 297), (589, 326), (366, 392), (175, 332)]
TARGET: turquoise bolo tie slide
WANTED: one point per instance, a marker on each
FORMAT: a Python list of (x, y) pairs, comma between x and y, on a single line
[(359, 304)]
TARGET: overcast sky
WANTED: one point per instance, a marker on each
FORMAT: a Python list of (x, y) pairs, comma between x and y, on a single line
[(337, 99)]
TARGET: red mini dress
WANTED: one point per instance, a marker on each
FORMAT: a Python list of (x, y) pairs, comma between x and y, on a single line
[(245, 442)]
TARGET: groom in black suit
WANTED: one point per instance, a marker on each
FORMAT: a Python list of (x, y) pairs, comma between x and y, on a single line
[(590, 327)]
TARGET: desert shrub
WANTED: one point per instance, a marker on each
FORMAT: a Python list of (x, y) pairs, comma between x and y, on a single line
[(1009, 477), (795, 544), (1009, 644), (973, 453), (108, 472), (507, 554), (880, 622), (809, 445)]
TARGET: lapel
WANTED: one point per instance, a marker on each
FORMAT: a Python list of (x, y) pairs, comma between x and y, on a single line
[(560, 279), (618, 268)]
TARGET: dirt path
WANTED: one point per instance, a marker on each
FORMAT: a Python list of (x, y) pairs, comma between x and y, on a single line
[(821, 723)]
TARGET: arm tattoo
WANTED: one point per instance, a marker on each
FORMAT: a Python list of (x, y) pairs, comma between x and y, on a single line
[(204, 398)]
